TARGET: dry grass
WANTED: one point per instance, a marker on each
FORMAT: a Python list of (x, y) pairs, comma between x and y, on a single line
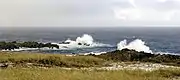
[(59, 74), (51, 59)]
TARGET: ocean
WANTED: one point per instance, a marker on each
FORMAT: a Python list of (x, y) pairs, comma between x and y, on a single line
[(101, 39)]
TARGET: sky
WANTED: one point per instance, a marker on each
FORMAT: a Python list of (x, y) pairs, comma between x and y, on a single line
[(89, 13)]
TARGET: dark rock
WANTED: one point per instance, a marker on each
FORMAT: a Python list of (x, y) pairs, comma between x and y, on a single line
[(132, 55)]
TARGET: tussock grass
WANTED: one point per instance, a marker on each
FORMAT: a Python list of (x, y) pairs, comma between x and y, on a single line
[(60, 74), (50, 59), (59, 60), (169, 73)]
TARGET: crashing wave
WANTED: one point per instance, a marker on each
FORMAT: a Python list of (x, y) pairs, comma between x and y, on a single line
[(137, 45), (85, 41)]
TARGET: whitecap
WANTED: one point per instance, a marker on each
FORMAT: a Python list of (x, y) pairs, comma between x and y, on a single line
[(137, 45)]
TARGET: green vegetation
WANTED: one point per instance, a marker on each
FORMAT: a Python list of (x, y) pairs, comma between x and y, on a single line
[(61, 74), (49, 60), (132, 55), (16, 45), (48, 66)]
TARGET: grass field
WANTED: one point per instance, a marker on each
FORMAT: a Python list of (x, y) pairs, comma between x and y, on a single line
[(59, 74), (51, 59), (57, 61)]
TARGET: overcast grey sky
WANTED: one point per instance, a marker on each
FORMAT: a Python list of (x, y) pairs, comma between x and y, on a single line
[(89, 13)]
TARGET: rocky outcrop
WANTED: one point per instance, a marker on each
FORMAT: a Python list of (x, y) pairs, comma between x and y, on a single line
[(132, 55)]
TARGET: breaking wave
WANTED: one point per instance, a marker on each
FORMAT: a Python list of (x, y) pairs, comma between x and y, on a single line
[(137, 45), (86, 44), (85, 41)]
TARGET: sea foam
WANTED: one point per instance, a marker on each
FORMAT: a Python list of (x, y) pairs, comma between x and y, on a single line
[(85, 41), (137, 45)]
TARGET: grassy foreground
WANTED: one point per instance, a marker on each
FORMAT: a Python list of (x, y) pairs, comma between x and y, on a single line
[(48, 67), (59, 74), (50, 60)]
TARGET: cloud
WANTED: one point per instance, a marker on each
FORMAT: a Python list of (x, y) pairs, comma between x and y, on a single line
[(154, 10), (89, 12), (161, 0), (53, 12)]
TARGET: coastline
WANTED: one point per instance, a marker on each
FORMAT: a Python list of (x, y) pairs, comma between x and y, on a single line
[(30, 63)]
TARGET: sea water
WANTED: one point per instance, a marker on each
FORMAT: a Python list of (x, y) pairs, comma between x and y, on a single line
[(101, 39)]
